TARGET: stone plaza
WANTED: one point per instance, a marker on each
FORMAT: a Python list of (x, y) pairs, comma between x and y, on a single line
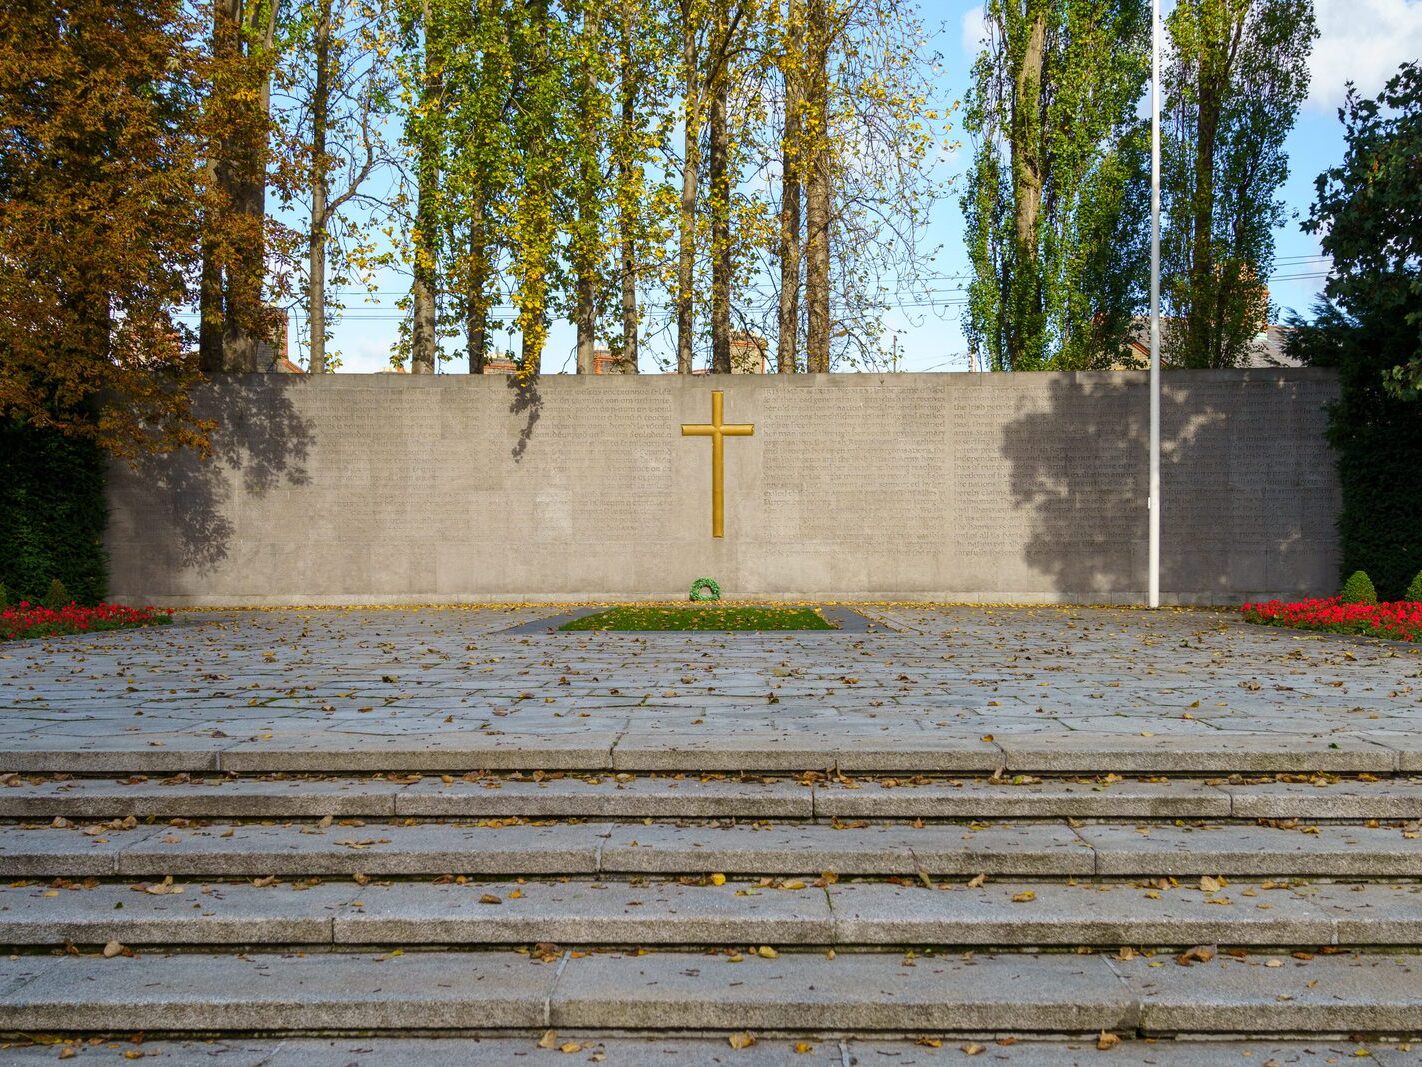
[(455, 836)]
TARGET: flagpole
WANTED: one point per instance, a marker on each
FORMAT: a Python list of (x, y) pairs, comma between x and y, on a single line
[(1154, 501)]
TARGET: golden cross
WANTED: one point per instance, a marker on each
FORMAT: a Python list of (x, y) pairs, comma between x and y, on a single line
[(718, 432)]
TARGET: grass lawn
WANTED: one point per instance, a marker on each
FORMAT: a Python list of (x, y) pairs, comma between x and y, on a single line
[(701, 617)]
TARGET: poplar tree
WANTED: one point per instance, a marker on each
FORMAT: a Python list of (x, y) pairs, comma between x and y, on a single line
[(480, 160), (539, 43), (641, 32), (425, 33), (589, 65), (1056, 200), (334, 87), (234, 321), (1237, 75), (790, 66)]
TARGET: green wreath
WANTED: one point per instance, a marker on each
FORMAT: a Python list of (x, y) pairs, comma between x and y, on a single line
[(704, 589)]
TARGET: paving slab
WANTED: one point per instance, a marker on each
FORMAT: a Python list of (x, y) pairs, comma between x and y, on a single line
[(236, 1052), (256, 993), (43, 852), (1015, 848), (155, 752), (328, 752), (1278, 994), (1046, 914), (585, 913), (1130, 1053), (1370, 913), (215, 797), (608, 798), (1386, 799), (611, 1052), (801, 992), (1253, 851), (664, 848), (247, 850), (970, 798), (185, 914), (451, 1052), (879, 749), (1076, 752)]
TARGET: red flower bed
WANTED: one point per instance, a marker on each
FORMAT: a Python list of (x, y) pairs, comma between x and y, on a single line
[(31, 620), (1400, 620)]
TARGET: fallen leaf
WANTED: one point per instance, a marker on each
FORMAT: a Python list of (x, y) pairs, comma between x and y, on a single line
[(741, 1040)]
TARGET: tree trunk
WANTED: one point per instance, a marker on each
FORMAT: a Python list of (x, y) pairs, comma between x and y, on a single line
[(585, 246), (541, 178), (629, 193), (585, 314), (476, 307), (422, 334), (720, 179), (1027, 171), (320, 116), (1203, 333), (233, 318), (790, 191), (686, 252), (817, 193)]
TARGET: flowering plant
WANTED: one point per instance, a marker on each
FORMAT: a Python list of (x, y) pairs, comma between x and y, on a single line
[(32, 620), (1400, 620)]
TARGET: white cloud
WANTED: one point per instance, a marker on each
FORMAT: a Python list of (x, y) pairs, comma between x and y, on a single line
[(1361, 41), (973, 31)]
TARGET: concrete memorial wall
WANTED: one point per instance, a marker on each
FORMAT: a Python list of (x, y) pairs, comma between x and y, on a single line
[(388, 489)]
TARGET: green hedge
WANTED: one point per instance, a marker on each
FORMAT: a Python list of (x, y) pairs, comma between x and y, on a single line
[(52, 515), (1376, 438)]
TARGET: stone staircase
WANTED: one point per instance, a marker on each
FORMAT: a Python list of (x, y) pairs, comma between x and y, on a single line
[(911, 903)]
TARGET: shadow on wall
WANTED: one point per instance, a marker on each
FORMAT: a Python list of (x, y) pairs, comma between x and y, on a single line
[(1240, 485), (526, 401), (260, 444)]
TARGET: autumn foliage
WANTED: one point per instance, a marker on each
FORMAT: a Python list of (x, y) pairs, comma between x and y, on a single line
[(100, 192)]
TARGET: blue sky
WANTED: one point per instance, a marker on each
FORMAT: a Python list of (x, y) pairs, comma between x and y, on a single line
[(1361, 40)]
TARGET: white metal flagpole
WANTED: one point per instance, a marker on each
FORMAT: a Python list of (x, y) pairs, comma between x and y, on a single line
[(1154, 501)]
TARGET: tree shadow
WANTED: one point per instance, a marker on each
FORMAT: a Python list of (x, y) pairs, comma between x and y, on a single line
[(527, 401), (1247, 487), (260, 444)]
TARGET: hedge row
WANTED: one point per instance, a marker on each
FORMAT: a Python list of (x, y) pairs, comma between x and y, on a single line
[(52, 515)]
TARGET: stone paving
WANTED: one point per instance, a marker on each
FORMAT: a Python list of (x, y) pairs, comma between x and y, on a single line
[(1075, 782), (976, 683)]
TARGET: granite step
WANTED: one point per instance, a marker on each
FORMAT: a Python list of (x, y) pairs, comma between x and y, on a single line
[(627, 796), (332, 749), (792, 993), (807, 1050), (506, 847), (785, 913)]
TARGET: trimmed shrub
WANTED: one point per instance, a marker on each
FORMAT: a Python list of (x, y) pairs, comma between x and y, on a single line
[(1414, 591), (1358, 589), (52, 514), (57, 596)]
